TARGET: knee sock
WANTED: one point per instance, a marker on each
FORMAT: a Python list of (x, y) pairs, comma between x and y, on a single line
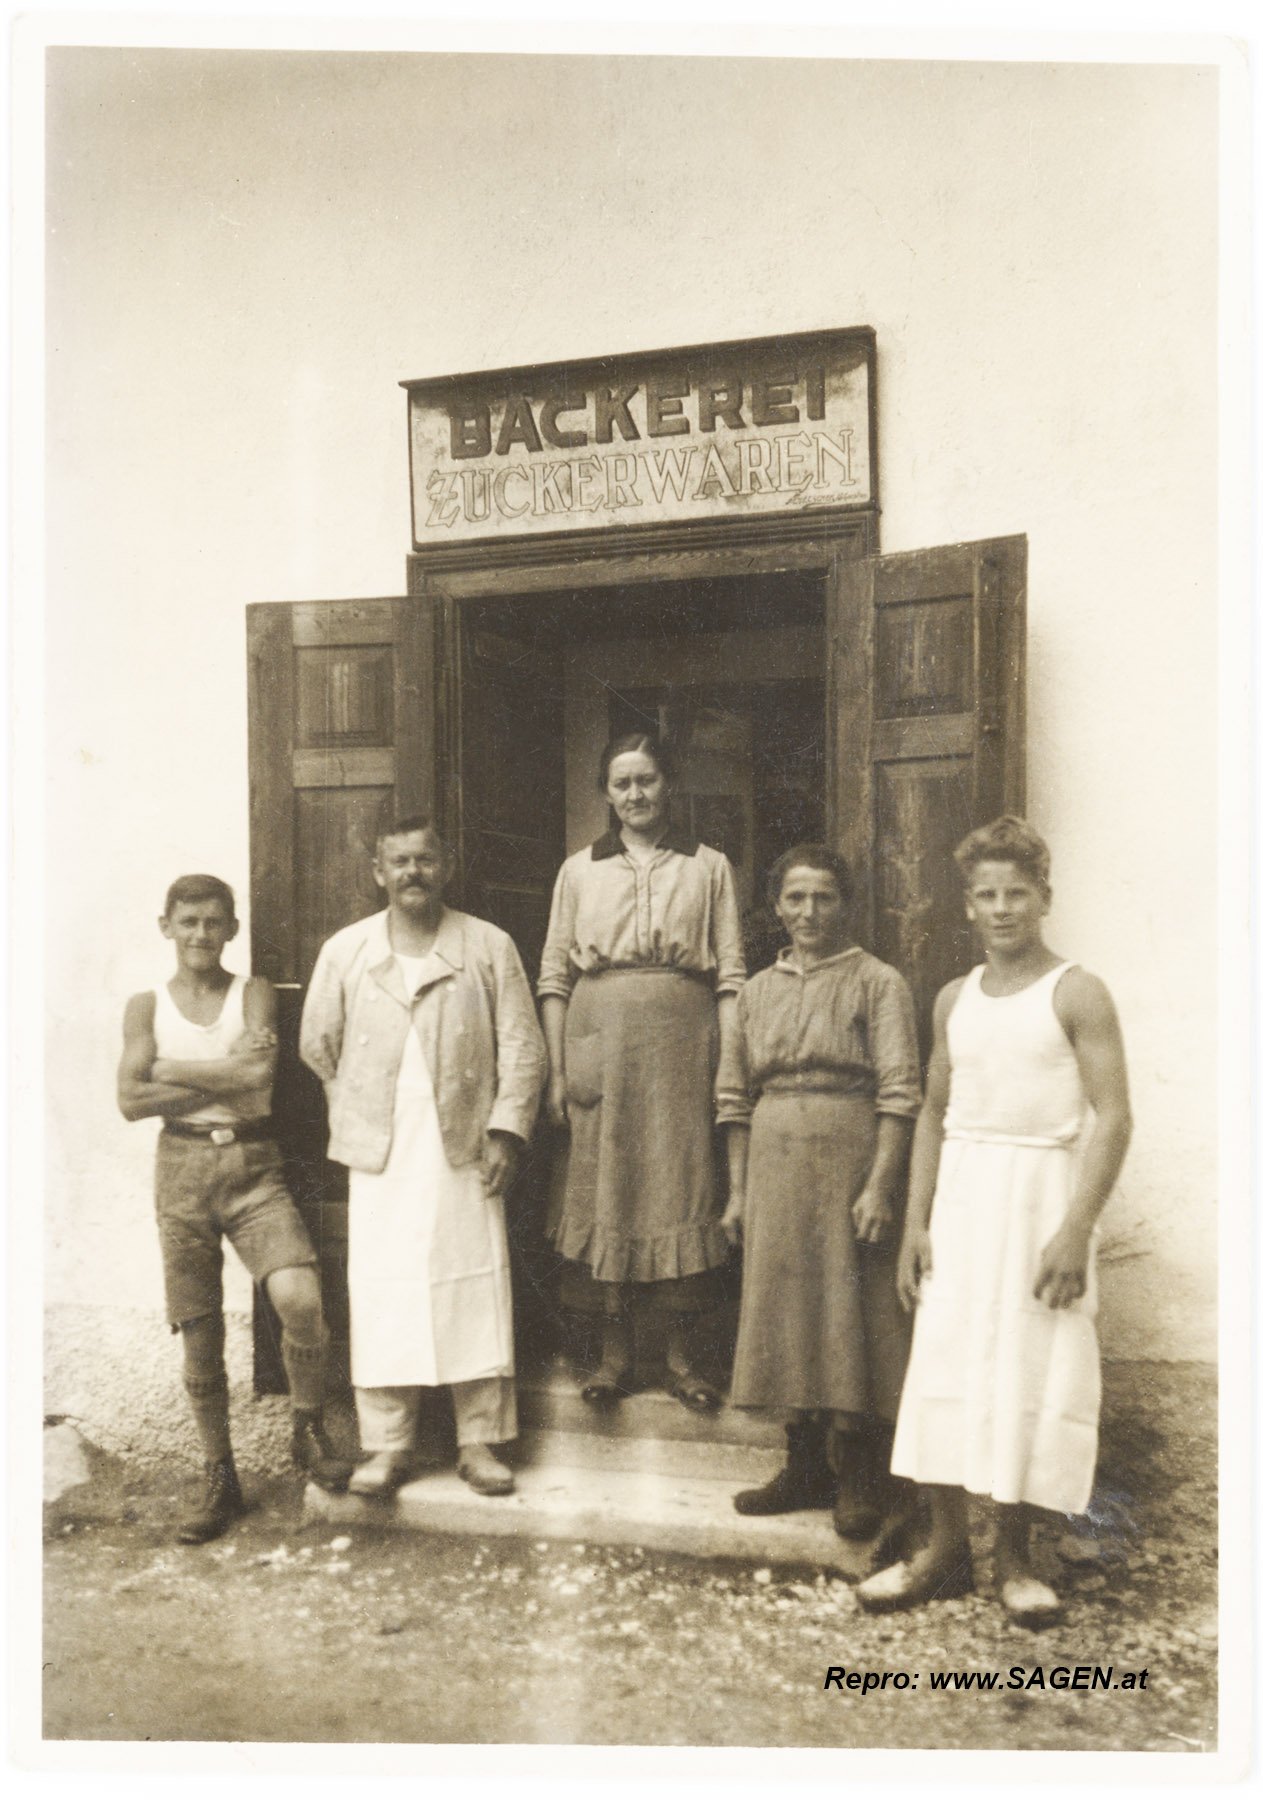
[(305, 1367), (208, 1398), (206, 1383)]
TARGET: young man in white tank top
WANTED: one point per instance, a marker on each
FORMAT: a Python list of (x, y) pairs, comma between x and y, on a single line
[(200, 1054), (1002, 1394)]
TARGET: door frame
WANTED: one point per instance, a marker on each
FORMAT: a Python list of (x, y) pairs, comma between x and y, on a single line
[(452, 579)]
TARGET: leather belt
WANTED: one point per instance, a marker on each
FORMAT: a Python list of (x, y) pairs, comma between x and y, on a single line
[(250, 1131)]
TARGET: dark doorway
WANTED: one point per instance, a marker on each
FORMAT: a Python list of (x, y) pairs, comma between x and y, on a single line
[(729, 673)]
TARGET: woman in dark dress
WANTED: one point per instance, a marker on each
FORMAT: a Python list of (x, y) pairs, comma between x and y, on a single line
[(819, 1129)]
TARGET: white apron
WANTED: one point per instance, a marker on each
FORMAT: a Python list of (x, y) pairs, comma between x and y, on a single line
[(1002, 1394), (428, 1257)]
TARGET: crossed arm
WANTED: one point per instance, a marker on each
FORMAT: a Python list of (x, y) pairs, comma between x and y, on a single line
[(150, 1086)]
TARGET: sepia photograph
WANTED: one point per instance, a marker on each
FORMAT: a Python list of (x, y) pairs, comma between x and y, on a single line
[(640, 947)]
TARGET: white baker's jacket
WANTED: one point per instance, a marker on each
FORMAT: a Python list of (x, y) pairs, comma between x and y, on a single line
[(428, 1261)]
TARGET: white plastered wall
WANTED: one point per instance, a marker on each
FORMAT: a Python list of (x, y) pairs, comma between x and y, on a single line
[(247, 253)]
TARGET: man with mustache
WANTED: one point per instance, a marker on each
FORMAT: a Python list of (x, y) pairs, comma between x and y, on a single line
[(419, 1022)]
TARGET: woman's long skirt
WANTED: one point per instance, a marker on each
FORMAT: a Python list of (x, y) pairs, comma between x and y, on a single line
[(821, 1324), (639, 1197)]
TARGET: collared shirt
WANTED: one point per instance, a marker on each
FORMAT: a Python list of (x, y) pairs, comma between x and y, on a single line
[(675, 909), (847, 1021), (474, 1019)]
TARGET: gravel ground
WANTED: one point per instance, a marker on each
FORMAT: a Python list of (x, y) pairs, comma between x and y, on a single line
[(286, 1632)]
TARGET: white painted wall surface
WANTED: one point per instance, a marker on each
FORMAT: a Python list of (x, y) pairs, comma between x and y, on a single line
[(247, 252)]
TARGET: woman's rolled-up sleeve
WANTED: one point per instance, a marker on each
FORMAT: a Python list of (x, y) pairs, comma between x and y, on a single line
[(734, 1096), (556, 972), (730, 962), (892, 1041)]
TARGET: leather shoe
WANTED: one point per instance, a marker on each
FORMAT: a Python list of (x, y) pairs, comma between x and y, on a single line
[(901, 1586), (695, 1393), (1029, 1602), (381, 1476), (313, 1453), (220, 1504), (804, 1484), (855, 1515), (605, 1389), (482, 1469)]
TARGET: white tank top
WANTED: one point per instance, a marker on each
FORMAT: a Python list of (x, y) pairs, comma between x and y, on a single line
[(180, 1040), (1015, 1077)]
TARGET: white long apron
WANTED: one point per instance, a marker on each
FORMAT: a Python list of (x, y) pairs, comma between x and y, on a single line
[(1003, 1394), (428, 1258)]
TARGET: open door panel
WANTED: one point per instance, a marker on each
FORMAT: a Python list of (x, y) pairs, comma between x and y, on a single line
[(342, 740), (926, 710)]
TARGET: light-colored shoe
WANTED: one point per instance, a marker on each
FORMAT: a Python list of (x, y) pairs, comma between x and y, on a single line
[(1030, 1602), (903, 1585), (381, 1476), (482, 1469)]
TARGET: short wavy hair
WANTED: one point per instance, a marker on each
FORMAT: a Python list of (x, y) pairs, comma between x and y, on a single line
[(811, 856), (406, 827), (185, 890), (1006, 839)]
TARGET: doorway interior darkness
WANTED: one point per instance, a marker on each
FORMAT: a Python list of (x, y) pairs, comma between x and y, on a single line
[(729, 672)]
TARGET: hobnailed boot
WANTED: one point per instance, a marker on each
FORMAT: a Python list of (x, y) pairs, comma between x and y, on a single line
[(804, 1484), (315, 1455), (221, 1504)]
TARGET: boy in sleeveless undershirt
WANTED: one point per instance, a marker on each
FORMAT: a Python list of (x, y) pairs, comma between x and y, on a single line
[(1020, 1141), (200, 1054)]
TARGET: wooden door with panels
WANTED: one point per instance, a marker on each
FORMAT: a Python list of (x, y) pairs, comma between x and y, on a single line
[(342, 741), (926, 711)]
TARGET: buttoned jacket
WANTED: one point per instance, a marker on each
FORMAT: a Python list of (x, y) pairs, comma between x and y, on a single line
[(473, 1016)]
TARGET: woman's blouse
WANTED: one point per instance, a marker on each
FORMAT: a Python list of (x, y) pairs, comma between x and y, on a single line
[(846, 1025), (677, 909)]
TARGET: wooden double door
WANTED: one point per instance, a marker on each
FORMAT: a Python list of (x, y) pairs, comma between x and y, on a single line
[(459, 700)]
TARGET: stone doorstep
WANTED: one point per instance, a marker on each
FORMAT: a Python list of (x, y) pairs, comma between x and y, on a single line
[(666, 1495), (549, 1400)]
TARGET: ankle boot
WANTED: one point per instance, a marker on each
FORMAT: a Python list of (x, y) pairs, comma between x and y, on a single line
[(856, 1513), (864, 1491), (806, 1481), (315, 1455), (220, 1504)]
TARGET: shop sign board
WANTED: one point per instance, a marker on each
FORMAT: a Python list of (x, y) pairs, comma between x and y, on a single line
[(753, 429)]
